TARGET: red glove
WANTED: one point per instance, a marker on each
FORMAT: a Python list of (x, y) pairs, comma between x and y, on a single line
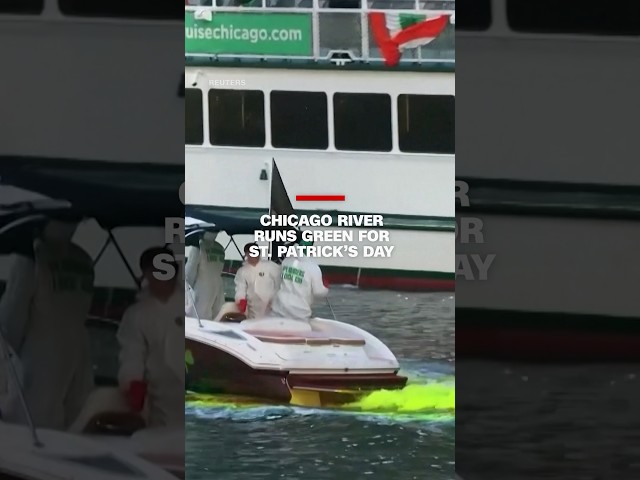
[(242, 305), (136, 395)]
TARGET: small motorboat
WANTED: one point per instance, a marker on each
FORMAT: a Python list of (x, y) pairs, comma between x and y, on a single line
[(318, 363), (322, 362)]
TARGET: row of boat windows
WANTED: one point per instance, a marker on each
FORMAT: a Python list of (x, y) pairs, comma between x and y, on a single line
[(373, 4), (539, 16), (156, 10), (299, 120), (552, 16), (171, 9)]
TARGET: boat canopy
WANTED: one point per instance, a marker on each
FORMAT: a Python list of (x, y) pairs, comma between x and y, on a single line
[(210, 219), (114, 194), (202, 218), (19, 220)]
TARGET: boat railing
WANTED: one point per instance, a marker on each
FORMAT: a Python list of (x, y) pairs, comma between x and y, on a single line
[(337, 32), (344, 4)]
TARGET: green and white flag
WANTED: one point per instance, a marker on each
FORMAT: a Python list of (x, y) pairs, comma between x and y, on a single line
[(395, 32)]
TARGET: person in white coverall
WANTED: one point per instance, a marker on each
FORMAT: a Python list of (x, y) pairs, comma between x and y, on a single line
[(151, 337), (43, 314), (189, 307), (301, 286), (203, 273), (256, 282)]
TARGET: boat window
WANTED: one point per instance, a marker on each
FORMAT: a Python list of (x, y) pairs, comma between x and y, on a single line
[(22, 7), (299, 120), (426, 123), (473, 15), (236, 118), (588, 18), (362, 121), (193, 122), (158, 10)]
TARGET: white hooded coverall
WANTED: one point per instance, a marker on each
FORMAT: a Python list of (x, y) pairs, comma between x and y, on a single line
[(151, 337), (189, 308), (257, 284), (204, 273), (48, 331), (301, 286)]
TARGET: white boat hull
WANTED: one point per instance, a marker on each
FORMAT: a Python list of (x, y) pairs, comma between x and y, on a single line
[(278, 358)]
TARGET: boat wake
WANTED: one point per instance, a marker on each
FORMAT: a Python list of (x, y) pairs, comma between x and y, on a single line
[(432, 401), (431, 397)]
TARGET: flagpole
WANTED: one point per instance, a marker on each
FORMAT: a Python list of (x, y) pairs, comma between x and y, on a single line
[(273, 161)]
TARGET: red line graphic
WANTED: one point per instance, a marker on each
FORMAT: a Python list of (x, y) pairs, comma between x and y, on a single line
[(320, 198)]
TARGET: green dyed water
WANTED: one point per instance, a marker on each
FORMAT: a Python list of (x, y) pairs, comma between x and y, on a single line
[(406, 434)]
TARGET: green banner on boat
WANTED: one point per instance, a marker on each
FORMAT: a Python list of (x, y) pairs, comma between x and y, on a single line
[(240, 33)]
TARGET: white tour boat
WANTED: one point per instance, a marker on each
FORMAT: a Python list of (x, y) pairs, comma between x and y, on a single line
[(550, 156), (337, 95)]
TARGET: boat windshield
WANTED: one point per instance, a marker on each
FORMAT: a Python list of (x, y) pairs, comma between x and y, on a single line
[(109, 301)]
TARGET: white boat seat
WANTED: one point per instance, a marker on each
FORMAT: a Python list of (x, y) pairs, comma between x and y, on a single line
[(228, 307), (106, 410), (303, 338), (276, 324)]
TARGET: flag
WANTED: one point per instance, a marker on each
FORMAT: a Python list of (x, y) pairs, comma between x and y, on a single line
[(395, 32), (279, 205)]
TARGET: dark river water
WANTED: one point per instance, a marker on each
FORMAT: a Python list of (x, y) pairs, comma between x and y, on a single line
[(281, 442), (551, 421)]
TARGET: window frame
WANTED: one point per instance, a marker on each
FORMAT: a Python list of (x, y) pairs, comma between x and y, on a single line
[(588, 28), (67, 11), (485, 27), (326, 97), (399, 97), (389, 97), (28, 11), (265, 119), (202, 117)]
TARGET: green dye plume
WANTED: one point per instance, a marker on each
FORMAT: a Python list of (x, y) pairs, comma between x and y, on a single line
[(224, 401), (412, 398)]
